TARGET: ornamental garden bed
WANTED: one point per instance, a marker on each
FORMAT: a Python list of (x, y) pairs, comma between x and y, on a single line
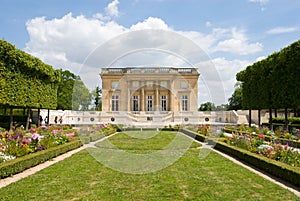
[(189, 178), (291, 138), (21, 149), (278, 160)]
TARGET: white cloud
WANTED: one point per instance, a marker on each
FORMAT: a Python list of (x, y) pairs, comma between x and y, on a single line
[(227, 70), (150, 23), (281, 30), (238, 44), (260, 58), (112, 9), (66, 42), (260, 1)]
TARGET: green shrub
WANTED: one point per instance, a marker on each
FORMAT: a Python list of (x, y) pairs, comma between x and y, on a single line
[(276, 168), (17, 165)]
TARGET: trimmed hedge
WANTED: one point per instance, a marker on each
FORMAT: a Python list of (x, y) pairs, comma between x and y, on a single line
[(193, 134), (276, 168), (17, 165), (273, 167)]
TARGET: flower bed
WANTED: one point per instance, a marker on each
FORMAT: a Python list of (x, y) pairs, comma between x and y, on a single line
[(20, 142), (278, 168), (20, 164), (279, 136), (96, 132), (270, 149), (273, 167)]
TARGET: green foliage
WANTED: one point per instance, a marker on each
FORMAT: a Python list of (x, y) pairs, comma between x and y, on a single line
[(25, 81), (98, 98), (273, 82), (20, 164), (276, 168), (235, 101), (72, 94), (208, 106)]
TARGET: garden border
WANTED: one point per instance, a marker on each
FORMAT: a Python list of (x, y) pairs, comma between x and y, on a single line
[(275, 168), (18, 165)]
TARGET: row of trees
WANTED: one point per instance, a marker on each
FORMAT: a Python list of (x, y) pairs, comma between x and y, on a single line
[(26, 82), (273, 83)]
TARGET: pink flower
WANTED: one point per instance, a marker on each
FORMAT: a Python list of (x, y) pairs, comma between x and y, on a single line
[(36, 136), (54, 132), (70, 134), (26, 141)]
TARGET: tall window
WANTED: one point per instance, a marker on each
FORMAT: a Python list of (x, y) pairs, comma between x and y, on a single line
[(163, 103), (135, 103), (115, 103), (184, 103), (149, 103)]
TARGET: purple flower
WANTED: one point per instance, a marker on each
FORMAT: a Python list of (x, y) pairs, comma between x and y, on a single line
[(54, 132), (26, 141)]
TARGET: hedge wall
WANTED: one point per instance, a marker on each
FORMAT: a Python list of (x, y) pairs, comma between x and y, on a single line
[(25, 81)]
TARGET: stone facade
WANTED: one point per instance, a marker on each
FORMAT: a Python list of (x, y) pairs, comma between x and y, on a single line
[(149, 90)]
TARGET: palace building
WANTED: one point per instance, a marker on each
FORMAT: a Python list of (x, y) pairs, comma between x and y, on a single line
[(149, 97), (150, 94)]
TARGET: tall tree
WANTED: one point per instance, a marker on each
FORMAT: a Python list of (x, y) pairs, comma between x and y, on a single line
[(208, 106), (97, 94), (235, 101), (72, 94)]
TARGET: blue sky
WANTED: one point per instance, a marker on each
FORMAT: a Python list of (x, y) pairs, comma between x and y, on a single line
[(233, 33)]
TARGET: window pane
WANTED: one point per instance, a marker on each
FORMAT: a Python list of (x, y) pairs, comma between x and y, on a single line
[(115, 103), (135, 103), (163, 104), (184, 103), (149, 103)]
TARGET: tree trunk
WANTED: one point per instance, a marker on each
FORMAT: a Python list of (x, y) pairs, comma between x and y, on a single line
[(48, 118), (250, 118), (275, 112), (259, 118), (39, 119), (286, 120), (11, 118), (270, 120), (28, 119)]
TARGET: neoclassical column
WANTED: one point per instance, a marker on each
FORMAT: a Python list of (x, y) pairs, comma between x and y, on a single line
[(128, 99), (170, 100), (156, 99), (143, 99)]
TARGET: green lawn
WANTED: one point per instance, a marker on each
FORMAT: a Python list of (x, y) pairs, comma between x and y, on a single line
[(81, 177)]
